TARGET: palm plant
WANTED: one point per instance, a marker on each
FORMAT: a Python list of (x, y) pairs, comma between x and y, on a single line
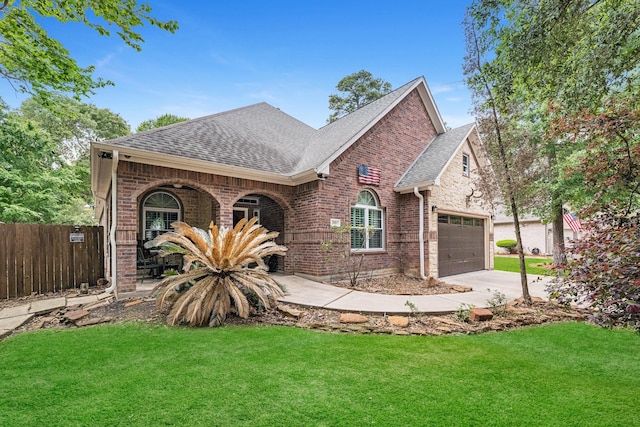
[(221, 268)]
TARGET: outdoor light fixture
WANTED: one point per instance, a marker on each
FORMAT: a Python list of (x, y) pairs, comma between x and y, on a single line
[(434, 208)]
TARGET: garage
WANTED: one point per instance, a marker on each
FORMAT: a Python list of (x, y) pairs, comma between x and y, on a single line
[(461, 245)]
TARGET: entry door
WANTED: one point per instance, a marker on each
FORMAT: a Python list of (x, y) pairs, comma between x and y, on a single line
[(239, 213)]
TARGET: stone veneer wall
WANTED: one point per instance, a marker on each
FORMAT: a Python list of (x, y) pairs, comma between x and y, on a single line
[(451, 197)]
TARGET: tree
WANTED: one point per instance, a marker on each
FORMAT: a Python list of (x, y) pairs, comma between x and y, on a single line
[(222, 268), (503, 134), (33, 62), (34, 181), (73, 125), (160, 121), (358, 89), (568, 54), (604, 271)]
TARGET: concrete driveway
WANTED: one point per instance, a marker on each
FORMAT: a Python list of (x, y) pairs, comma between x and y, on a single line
[(484, 283)]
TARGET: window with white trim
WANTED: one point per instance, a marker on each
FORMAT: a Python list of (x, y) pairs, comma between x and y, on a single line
[(465, 165), (159, 210), (367, 223)]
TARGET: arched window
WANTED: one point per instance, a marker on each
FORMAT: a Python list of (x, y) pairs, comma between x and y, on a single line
[(367, 223), (159, 210)]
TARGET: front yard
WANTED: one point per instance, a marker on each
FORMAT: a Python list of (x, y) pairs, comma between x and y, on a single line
[(534, 265), (140, 375)]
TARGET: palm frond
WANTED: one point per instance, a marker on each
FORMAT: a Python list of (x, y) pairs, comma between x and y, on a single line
[(218, 272)]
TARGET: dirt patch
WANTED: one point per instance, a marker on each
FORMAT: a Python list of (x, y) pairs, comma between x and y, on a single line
[(403, 285)]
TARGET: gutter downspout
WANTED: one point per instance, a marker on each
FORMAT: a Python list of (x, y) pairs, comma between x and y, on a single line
[(421, 235), (114, 220)]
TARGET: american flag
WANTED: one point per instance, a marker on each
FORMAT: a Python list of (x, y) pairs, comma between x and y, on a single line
[(572, 221), (367, 175)]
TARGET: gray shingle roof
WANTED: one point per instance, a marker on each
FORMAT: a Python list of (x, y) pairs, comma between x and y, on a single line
[(431, 163), (261, 137)]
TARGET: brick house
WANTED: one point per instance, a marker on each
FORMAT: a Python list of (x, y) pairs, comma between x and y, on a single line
[(389, 170)]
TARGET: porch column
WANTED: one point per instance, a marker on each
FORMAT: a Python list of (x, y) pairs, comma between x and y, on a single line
[(126, 244)]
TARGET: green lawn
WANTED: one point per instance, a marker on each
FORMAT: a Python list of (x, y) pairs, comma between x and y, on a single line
[(570, 374), (512, 263)]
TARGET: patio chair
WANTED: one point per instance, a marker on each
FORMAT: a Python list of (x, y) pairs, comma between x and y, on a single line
[(147, 263)]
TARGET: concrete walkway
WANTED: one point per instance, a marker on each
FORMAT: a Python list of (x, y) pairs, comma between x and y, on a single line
[(14, 317), (313, 294), (484, 283)]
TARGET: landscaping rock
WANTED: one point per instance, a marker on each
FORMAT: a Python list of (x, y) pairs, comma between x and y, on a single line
[(480, 314), (353, 318), (94, 305), (461, 289), (399, 321), (290, 311), (519, 310), (75, 315), (94, 321), (134, 302)]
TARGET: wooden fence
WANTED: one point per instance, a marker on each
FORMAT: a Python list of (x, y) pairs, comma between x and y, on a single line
[(47, 258)]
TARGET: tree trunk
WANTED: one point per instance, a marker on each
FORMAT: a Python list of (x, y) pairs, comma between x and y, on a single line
[(523, 268), (557, 225), (559, 256)]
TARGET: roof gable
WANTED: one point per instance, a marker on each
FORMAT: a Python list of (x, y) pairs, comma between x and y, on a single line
[(431, 164), (332, 140), (261, 139)]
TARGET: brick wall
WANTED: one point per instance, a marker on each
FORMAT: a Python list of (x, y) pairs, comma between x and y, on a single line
[(391, 145), (203, 197)]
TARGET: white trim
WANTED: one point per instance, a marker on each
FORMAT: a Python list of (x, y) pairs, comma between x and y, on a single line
[(245, 211), (256, 214), (382, 228), (114, 223), (176, 162), (421, 231), (466, 171), (145, 209)]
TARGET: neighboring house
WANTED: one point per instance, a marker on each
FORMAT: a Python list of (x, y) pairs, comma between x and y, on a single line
[(537, 237), (385, 170)]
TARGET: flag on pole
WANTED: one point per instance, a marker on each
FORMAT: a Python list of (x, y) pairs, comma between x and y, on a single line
[(367, 175), (572, 221)]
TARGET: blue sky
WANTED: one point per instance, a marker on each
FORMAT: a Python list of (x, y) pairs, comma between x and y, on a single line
[(290, 54)]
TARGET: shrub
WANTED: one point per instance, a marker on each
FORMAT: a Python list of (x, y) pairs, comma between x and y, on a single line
[(603, 271), (507, 244), (224, 272)]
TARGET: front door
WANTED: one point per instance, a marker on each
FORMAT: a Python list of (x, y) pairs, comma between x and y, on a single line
[(238, 214)]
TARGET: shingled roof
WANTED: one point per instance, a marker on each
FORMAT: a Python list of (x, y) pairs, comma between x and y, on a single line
[(430, 165), (262, 138)]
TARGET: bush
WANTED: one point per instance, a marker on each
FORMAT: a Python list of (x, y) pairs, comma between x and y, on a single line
[(603, 271), (508, 244)]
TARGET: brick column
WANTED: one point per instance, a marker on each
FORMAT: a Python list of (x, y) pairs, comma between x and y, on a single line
[(126, 258)]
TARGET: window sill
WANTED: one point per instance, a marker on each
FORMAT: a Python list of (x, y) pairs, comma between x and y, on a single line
[(368, 251)]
